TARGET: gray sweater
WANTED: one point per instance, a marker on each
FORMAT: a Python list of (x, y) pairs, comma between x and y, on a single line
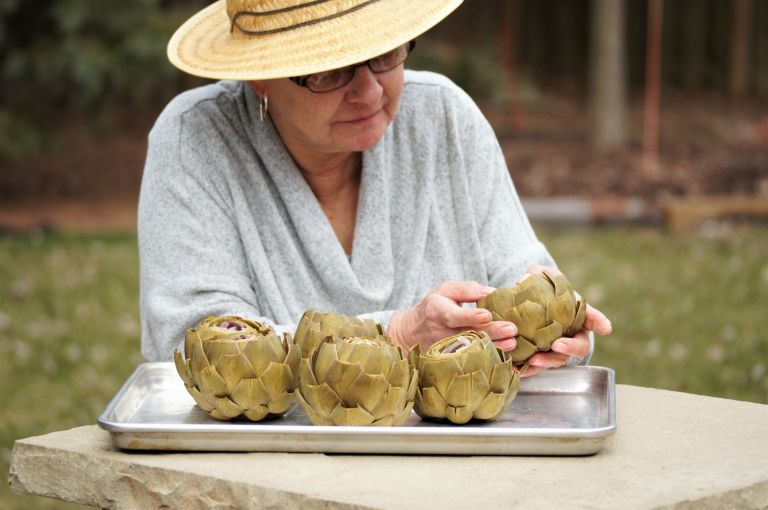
[(228, 225)]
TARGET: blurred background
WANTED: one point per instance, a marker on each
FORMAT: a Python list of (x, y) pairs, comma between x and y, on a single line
[(636, 132)]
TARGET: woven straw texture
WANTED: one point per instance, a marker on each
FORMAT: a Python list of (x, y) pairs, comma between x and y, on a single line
[(331, 34)]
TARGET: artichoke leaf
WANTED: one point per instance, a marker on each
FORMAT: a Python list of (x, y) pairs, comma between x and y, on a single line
[(366, 391), (378, 362), (458, 415), (502, 375), (528, 317), (341, 375), (386, 421), (544, 337), (354, 352), (198, 360), (354, 416), (189, 338), (402, 417), (280, 404), (491, 407), (561, 309), (459, 392), (233, 368), (306, 377), (250, 393), (578, 321), (413, 386), (430, 403), (216, 349), (476, 361), (183, 369), (292, 361), (391, 404), (211, 383), (322, 399), (201, 400), (261, 353), (439, 373), (522, 351), (257, 413), (323, 358), (277, 379), (314, 416), (225, 409), (514, 387), (399, 375)]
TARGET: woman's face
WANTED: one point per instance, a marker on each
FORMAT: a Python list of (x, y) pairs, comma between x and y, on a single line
[(350, 119)]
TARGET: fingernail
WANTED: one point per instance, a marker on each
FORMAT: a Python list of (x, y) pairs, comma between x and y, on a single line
[(483, 317), (559, 345), (509, 330), (486, 290)]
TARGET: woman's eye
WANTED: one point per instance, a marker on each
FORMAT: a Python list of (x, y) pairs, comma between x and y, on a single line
[(321, 79)]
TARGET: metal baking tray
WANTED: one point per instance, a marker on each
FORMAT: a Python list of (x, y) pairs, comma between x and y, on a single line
[(568, 411)]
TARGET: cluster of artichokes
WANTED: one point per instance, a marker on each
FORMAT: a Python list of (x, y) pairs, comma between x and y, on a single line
[(344, 371)]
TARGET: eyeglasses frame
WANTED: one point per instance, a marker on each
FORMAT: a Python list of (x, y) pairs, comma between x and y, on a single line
[(301, 81)]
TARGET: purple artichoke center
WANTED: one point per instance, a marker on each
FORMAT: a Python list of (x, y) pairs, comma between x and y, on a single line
[(231, 326)]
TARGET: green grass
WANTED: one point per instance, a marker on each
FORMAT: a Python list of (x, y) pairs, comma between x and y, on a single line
[(686, 309)]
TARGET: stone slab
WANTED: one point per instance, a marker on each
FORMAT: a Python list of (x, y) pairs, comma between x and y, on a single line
[(671, 450)]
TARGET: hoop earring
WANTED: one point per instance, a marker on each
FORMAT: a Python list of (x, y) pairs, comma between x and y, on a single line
[(263, 107)]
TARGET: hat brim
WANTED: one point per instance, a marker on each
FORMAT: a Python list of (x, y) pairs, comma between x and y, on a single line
[(204, 46)]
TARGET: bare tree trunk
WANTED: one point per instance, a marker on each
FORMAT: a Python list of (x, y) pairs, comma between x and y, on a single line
[(509, 37), (608, 86), (652, 90), (740, 36)]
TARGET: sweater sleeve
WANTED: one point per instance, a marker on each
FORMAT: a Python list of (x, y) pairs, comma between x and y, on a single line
[(508, 243), (191, 257)]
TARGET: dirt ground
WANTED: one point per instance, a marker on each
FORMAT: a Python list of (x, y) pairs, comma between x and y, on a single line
[(709, 146)]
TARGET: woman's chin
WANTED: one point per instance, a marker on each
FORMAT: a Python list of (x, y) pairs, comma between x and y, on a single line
[(363, 138)]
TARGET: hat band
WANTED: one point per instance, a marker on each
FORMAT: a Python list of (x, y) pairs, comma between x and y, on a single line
[(259, 14)]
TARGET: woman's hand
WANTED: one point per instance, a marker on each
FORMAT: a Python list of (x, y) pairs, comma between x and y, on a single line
[(567, 347), (440, 314)]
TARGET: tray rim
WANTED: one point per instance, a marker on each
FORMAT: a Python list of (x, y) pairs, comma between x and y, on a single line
[(442, 430)]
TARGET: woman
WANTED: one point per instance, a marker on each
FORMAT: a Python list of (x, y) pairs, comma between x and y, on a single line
[(326, 177)]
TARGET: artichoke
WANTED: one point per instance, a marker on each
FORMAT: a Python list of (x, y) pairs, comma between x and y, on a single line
[(544, 307), (357, 381), (463, 377), (315, 326), (233, 367)]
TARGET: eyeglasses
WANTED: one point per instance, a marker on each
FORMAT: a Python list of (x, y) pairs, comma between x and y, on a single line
[(327, 81)]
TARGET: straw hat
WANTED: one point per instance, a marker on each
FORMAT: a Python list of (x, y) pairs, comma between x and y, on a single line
[(262, 39)]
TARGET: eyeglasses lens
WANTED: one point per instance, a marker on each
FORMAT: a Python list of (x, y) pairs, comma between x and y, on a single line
[(337, 78)]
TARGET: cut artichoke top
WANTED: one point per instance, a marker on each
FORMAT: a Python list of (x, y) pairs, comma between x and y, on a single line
[(463, 353), (316, 326), (463, 377)]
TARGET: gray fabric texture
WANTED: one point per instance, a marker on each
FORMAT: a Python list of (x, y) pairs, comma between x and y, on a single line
[(228, 225)]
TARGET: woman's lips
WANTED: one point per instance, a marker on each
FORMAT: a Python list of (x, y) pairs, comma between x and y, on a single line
[(362, 119)]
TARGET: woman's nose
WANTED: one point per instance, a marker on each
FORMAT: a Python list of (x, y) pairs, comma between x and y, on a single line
[(364, 87)]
